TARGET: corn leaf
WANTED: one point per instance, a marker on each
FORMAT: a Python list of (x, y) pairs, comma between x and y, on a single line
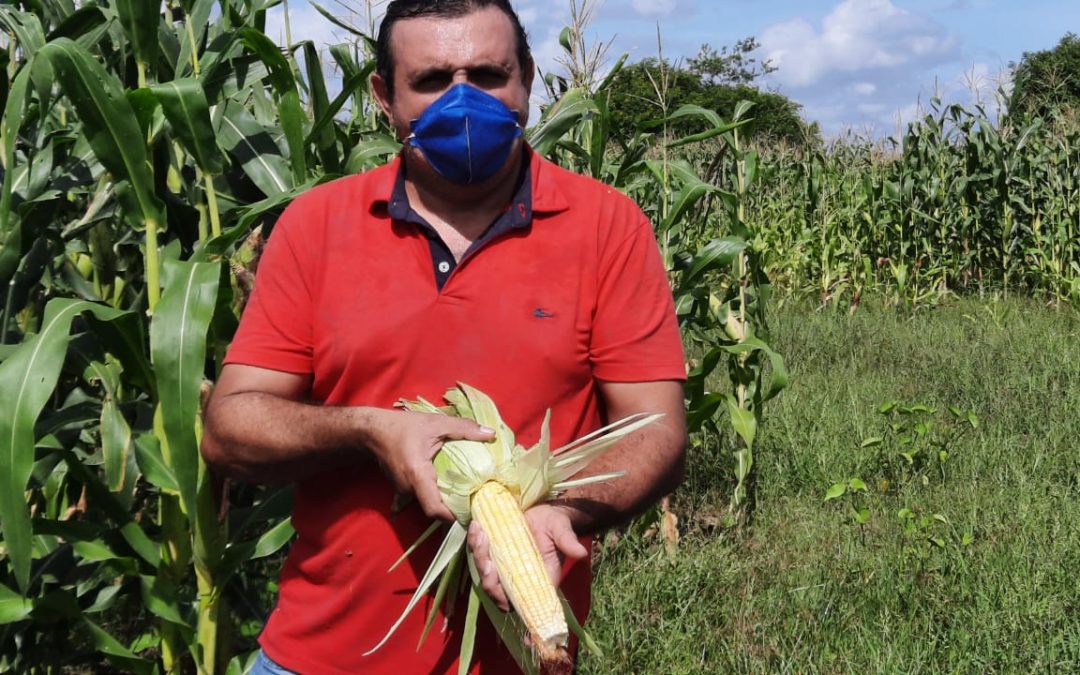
[(717, 254), (160, 597), (10, 231), (743, 421), (152, 464), (566, 114), (140, 21), (116, 444), (185, 106), (26, 27), (118, 654), (30, 375), (325, 117), (325, 138), (273, 539), (110, 125), (258, 154), (13, 607), (178, 349), (290, 113), (717, 128), (198, 14)]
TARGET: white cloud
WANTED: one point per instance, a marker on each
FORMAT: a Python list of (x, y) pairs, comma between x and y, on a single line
[(864, 88), (856, 36), (305, 23), (655, 7)]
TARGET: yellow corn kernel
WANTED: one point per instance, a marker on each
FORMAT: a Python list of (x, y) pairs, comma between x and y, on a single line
[(521, 568)]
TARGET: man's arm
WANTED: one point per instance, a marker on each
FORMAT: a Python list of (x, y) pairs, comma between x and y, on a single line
[(259, 428), (652, 458)]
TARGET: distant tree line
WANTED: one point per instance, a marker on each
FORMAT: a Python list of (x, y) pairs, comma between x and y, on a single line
[(1048, 81), (715, 80)]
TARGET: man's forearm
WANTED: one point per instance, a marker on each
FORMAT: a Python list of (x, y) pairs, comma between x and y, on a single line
[(653, 460), (265, 438)]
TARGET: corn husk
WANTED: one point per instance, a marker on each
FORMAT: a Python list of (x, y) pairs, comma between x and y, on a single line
[(533, 475)]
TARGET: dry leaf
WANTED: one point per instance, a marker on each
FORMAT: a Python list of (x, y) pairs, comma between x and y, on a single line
[(669, 532)]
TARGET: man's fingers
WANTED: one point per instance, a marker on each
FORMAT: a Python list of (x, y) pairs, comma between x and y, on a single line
[(427, 493), (569, 545), (489, 576), (458, 428), (489, 580)]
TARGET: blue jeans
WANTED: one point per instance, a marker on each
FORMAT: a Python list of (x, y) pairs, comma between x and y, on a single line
[(265, 666)]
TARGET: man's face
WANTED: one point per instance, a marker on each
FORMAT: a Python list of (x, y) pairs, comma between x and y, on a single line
[(431, 54)]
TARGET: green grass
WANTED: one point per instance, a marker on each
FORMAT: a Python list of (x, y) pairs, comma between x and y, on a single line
[(805, 589)]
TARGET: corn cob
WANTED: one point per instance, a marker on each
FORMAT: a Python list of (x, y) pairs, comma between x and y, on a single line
[(521, 569), (496, 483)]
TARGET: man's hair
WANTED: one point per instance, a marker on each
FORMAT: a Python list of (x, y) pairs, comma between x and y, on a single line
[(411, 9)]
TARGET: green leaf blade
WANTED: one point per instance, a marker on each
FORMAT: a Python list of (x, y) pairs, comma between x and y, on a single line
[(34, 369), (178, 334), (188, 112)]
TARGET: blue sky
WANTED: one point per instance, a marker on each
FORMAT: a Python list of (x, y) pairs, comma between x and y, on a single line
[(858, 65)]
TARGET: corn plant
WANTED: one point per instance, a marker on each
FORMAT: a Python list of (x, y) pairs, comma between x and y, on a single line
[(145, 148), (140, 144), (710, 245), (960, 204)]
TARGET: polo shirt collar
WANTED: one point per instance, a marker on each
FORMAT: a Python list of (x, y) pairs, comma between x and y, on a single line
[(517, 216), (547, 197)]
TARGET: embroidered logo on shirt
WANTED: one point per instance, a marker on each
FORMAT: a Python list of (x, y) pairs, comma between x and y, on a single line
[(541, 313)]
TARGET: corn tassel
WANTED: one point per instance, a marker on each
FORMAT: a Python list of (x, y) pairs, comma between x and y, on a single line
[(521, 569)]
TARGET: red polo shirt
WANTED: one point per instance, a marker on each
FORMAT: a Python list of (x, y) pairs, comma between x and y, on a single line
[(534, 318)]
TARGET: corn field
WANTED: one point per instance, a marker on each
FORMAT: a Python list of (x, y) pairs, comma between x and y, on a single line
[(959, 205), (146, 150)]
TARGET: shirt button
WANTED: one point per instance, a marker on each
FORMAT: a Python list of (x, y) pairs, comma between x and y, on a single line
[(444, 267)]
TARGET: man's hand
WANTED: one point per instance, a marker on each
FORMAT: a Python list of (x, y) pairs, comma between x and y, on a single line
[(259, 428), (405, 442), (554, 537)]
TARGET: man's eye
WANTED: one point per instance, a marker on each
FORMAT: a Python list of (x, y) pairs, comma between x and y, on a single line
[(488, 79), (432, 83)]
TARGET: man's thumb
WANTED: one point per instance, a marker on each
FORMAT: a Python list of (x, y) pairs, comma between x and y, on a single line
[(570, 545)]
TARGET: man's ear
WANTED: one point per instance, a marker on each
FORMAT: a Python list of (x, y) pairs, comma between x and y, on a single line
[(528, 75), (382, 95)]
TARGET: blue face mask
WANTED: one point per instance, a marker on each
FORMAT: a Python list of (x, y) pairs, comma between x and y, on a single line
[(466, 134)]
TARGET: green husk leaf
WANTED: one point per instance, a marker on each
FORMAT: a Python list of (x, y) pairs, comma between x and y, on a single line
[(575, 456), (451, 547), (478, 406), (582, 635), (535, 475), (588, 480), (446, 582), (416, 544), (468, 636), (508, 626)]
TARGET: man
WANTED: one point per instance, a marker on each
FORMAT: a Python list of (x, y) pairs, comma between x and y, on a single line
[(467, 258)]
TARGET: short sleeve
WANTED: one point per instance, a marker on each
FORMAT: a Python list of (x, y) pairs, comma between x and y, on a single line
[(276, 327), (635, 336)]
